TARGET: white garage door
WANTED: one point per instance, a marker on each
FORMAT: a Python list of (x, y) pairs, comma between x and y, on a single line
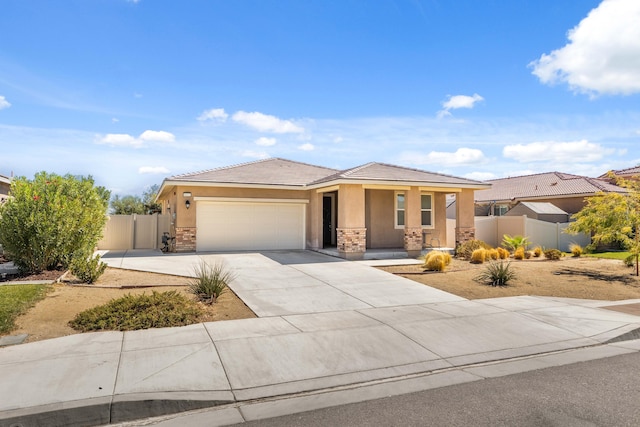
[(239, 226)]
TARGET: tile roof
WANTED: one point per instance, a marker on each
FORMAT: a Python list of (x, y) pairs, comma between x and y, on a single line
[(277, 171), (550, 184), (386, 172), (543, 208), (273, 171), (628, 172)]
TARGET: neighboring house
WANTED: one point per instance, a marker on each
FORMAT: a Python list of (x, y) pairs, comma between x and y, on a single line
[(282, 204), (542, 211), (5, 185), (628, 173), (563, 190)]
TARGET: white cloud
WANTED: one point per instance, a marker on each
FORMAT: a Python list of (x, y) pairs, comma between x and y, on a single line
[(552, 151), (214, 114), (306, 147), (115, 120), (126, 140), (266, 123), (266, 142), (157, 135), (120, 140), (461, 157), (254, 154), (603, 52), (458, 101), (480, 176), (4, 103), (152, 170)]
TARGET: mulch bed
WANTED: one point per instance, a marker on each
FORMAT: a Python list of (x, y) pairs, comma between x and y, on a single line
[(45, 275)]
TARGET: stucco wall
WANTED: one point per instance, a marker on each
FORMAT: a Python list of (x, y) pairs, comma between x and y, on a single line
[(380, 221)]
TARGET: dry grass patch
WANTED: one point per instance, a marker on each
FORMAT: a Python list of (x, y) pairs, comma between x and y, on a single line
[(584, 278)]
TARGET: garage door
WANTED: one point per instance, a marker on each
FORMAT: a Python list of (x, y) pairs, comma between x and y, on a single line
[(239, 226)]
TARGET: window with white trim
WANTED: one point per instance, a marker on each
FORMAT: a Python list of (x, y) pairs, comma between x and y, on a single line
[(399, 210), (426, 210)]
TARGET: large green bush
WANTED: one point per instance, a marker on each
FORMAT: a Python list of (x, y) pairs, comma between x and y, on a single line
[(132, 312), (51, 219)]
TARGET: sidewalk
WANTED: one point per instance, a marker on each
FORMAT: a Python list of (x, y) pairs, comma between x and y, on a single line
[(255, 368)]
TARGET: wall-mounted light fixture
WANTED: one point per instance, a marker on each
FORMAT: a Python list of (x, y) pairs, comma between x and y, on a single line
[(186, 194), (187, 204)]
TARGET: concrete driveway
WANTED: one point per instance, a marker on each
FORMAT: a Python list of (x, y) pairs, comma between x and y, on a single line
[(279, 283)]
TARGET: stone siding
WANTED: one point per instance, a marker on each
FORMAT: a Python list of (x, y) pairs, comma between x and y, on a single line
[(465, 234), (413, 239), (185, 239), (352, 240)]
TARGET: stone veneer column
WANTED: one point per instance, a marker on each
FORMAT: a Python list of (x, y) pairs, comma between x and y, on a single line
[(413, 241), (352, 242), (464, 234), (185, 239)]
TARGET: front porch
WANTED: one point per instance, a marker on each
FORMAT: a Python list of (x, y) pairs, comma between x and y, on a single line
[(376, 221), (383, 254)]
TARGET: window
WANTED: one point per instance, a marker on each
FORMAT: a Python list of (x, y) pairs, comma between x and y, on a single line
[(426, 210), (400, 210), (500, 210)]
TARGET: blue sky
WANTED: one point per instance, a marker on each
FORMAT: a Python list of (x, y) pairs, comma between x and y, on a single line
[(132, 92)]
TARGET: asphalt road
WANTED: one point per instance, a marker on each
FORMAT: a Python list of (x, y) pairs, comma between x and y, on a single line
[(603, 392)]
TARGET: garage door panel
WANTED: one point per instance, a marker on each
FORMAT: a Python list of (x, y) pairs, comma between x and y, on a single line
[(249, 226)]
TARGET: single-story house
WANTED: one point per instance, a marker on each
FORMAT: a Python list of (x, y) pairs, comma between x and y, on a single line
[(563, 190), (542, 211), (283, 204), (5, 186), (628, 173)]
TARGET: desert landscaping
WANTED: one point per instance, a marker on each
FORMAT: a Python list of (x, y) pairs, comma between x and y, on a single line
[(582, 278)]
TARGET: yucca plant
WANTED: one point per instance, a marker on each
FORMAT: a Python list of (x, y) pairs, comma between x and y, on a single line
[(210, 281), (496, 274)]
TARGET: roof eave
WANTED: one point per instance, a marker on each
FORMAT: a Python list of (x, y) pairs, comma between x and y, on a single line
[(399, 183)]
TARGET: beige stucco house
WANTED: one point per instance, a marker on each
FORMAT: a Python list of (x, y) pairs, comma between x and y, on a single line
[(281, 204), (5, 186)]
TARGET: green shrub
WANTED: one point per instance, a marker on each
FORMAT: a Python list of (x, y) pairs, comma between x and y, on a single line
[(478, 256), (132, 312), (496, 274), (553, 254), (87, 269), (437, 261), (210, 281), (49, 219), (576, 250), (465, 249), (630, 261), (515, 242)]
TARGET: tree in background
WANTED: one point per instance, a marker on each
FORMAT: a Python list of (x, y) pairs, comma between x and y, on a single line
[(52, 219), (129, 205), (612, 218)]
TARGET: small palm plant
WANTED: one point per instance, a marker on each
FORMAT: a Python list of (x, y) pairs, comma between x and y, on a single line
[(496, 274), (210, 281), (514, 242)]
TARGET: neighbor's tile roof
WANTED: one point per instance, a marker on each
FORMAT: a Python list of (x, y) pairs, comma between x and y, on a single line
[(273, 171), (386, 172), (543, 208), (628, 171), (276, 171), (551, 184)]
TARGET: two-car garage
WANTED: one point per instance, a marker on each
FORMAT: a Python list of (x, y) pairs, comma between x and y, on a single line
[(249, 224)]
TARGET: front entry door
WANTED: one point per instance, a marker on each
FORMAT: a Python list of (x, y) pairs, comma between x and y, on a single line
[(328, 221)]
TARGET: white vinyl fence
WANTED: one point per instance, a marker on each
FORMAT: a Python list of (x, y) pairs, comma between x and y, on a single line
[(134, 232), (491, 229)]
